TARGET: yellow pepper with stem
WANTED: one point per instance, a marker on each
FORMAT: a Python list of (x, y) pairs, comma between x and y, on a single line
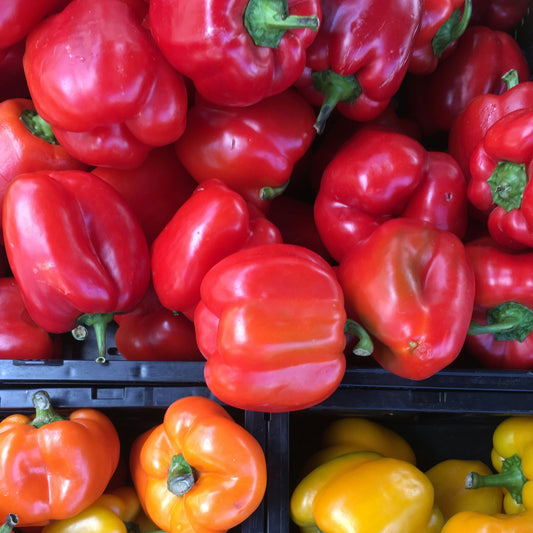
[(363, 492), (512, 458)]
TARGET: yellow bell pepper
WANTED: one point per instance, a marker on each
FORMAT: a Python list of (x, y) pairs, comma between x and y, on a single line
[(353, 434), (472, 522), (364, 493), (451, 495), (512, 458)]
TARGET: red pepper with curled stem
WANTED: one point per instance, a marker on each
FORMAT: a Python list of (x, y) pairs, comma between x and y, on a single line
[(500, 335), (76, 250), (236, 52), (357, 63)]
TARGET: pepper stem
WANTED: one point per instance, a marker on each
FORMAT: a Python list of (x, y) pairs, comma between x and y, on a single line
[(268, 20), (452, 29), (510, 78), (335, 88), (508, 321), (269, 193), (181, 476), (37, 126), (365, 346), (511, 478), (99, 322), (11, 521), (44, 412), (507, 184)]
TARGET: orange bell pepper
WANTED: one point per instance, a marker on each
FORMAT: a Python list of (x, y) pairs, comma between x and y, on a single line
[(54, 467), (199, 471), (472, 522)]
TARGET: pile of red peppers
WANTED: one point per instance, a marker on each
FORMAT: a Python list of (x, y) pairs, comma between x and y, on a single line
[(277, 188)]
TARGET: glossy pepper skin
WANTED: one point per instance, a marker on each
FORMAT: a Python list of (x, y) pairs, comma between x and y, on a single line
[(379, 174), (213, 223), (451, 495), (97, 78), (412, 288), (512, 458), (155, 190), (442, 24), (350, 492), (60, 465), (356, 63), (88, 269), (228, 477), (500, 169), (435, 100), (151, 332), (353, 434), (236, 52), (233, 143), (472, 522), (27, 144), (482, 112), (20, 336), (502, 279), (271, 325)]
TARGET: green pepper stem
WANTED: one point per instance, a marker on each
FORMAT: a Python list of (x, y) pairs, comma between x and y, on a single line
[(452, 29), (37, 126), (510, 78), (511, 478), (269, 193), (508, 321), (335, 88), (507, 184), (268, 20), (44, 412), (11, 521), (364, 346), (99, 322), (181, 476)]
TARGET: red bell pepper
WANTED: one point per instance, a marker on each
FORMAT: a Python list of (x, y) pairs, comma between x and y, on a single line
[(502, 15), (154, 190), (412, 288), (475, 66), (236, 52), (20, 336), (53, 467), (12, 73), (27, 144), (443, 22), (501, 169), (96, 76), (482, 112), (357, 63), (151, 332), (500, 335), (232, 143), (76, 250), (213, 223), (271, 326), (379, 174)]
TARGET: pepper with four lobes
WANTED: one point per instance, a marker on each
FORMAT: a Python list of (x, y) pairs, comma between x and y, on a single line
[(512, 458), (350, 493), (357, 64), (500, 334), (500, 185), (199, 470), (379, 174), (61, 465), (236, 52), (96, 76), (411, 287), (92, 256)]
